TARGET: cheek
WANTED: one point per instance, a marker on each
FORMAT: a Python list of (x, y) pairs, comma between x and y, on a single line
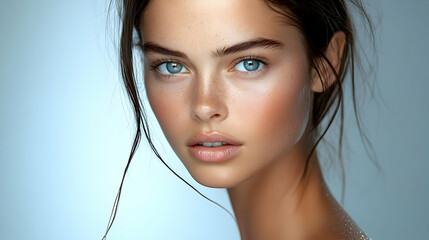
[(280, 116), (168, 108)]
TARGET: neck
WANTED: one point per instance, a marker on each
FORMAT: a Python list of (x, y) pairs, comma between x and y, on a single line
[(276, 203)]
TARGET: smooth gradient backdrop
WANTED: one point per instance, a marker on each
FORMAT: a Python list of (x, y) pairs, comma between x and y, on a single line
[(66, 129)]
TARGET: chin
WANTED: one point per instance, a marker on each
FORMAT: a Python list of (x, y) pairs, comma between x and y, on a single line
[(214, 177)]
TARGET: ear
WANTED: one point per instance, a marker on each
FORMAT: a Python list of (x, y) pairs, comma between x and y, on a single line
[(334, 54)]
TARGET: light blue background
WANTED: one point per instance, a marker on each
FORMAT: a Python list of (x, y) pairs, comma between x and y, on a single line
[(66, 130)]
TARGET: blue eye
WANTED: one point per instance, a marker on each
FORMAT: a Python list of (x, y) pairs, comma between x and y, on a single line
[(171, 68), (249, 65)]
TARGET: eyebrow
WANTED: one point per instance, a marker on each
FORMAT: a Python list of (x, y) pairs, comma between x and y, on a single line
[(242, 46)]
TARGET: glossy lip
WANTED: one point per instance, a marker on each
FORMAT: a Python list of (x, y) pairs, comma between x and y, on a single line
[(212, 137), (213, 154)]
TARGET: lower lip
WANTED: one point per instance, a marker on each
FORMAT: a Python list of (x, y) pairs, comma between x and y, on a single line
[(214, 154)]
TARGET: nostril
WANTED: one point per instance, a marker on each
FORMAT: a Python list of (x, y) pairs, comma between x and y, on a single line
[(215, 115)]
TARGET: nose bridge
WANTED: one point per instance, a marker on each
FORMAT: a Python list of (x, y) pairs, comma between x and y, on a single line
[(208, 98)]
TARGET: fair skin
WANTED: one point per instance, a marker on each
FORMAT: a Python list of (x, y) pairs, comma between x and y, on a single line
[(267, 110)]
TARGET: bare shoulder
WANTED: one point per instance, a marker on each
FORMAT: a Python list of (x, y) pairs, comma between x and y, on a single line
[(340, 226), (342, 230), (343, 227)]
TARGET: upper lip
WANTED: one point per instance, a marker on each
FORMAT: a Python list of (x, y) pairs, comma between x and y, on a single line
[(211, 137)]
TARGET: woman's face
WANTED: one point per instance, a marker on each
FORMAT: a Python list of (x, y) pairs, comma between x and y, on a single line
[(258, 94)]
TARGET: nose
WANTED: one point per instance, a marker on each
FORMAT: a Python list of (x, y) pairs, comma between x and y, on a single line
[(208, 100)]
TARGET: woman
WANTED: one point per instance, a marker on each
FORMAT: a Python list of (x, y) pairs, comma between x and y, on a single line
[(240, 88)]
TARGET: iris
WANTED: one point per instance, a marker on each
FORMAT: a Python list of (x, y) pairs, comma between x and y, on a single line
[(249, 65), (173, 67)]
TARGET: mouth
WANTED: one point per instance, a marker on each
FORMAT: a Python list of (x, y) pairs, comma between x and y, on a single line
[(212, 140), (213, 148), (212, 144), (213, 154)]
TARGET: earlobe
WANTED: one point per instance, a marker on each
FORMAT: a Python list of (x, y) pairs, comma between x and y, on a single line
[(333, 54)]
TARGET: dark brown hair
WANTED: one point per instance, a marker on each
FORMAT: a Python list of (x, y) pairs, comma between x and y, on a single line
[(317, 22)]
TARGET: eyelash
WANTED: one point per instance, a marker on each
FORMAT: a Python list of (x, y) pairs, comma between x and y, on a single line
[(154, 66), (239, 60), (156, 63)]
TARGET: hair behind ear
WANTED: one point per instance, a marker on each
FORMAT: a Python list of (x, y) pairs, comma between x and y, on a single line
[(329, 65)]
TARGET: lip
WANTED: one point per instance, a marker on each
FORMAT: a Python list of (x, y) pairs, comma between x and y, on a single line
[(212, 137), (213, 154)]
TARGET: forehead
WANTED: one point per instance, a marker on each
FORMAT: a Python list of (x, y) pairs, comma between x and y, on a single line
[(210, 24)]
